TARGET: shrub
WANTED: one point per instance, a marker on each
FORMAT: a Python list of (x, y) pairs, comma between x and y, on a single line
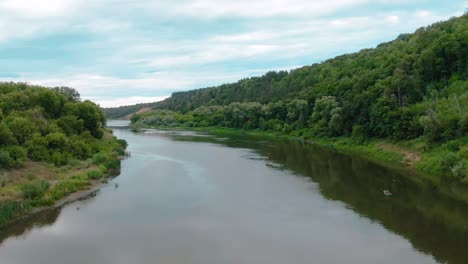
[(463, 152), (99, 158), (452, 145), (59, 158), (37, 148), (80, 149), (6, 137), (94, 174), (34, 189), (460, 169), (71, 124), (122, 143), (21, 128), (57, 141), (359, 134), (5, 159), (13, 157), (112, 164)]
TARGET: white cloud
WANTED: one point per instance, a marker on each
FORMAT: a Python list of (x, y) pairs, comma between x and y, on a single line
[(392, 19), (315, 37), (92, 84), (262, 8), (29, 18), (214, 53), (105, 102), (39, 9)]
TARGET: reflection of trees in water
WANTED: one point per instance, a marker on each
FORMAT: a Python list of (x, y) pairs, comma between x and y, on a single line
[(434, 223), (23, 226)]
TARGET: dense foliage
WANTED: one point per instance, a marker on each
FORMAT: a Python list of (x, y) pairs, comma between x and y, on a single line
[(413, 89), (51, 144), (49, 125)]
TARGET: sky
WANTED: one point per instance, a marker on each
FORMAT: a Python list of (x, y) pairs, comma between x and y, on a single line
[(120, 52)]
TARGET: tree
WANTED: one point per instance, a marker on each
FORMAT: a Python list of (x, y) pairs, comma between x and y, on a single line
[(70, 124), (431, 125), (50, 101), (92, 116), (71, 94), (327, 116), (6, 136), (298, 110), (21, 128)]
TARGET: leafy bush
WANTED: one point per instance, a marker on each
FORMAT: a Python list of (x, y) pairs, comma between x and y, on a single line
[(57, 141), (80, 149), (71, 125), (94, 174), (463, 152), (99, 158), (37, 148), (6, 136), (359, 134), (34, 189), (22, 128), (12, 157), (5, 159), (460, 169), (59, 158), (122, 143)]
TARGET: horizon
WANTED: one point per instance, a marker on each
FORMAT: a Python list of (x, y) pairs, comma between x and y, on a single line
[(123, 54)]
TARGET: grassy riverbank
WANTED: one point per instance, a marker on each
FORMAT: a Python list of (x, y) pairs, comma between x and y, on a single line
[(39, 185)]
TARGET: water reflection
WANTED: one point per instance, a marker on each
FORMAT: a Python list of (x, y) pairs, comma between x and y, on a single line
[(26, 225), (434, 223)]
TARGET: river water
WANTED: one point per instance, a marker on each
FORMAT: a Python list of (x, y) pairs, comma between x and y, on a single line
[(186, 197)]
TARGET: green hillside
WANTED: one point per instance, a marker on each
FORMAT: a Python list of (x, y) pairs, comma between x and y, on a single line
[(408, 97)]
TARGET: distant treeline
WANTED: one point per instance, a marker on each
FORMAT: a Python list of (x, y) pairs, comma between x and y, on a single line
[(412, 88), (122, 111)]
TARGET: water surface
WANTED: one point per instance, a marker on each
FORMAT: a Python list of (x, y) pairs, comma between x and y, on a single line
[(185, 197)]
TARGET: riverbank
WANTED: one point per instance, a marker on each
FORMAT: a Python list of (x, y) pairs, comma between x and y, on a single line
[(39, 186), (408, 157)]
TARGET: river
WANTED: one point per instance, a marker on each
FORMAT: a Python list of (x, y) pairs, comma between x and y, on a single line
[(186, 197)]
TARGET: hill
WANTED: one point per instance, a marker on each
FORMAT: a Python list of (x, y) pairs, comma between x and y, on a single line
[(126, 111), (408, 96)]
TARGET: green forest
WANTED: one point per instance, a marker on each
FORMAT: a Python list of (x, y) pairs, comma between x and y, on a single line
[(405, 100), (51, 144)]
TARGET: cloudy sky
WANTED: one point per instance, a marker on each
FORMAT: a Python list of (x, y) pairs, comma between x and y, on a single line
[(119, 52)]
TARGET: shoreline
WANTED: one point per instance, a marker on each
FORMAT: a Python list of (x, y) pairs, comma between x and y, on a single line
[(79, 195), (73, 197), (391, 159)]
